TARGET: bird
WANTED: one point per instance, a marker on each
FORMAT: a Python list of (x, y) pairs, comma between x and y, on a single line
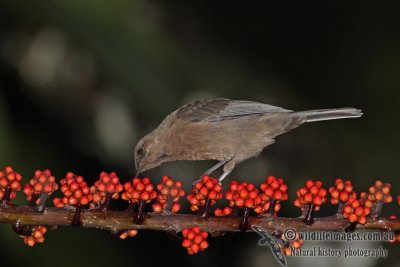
[(224, 130)]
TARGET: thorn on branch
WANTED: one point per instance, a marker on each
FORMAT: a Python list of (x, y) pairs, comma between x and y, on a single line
[(132, 206), (376, 210), (309, 218), (339, 212), (206, 209), (351, 228), (7, 195), (169, 204), (138, 216), (271, 209), (22, 230), (76, 221), (106, 205), (40, 207), (304, 211), (244, 224)]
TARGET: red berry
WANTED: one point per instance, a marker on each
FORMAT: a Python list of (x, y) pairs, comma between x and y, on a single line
[(208, 188), (194, 240), (37, 236), (9, 179), (75, 191), (309, 183)]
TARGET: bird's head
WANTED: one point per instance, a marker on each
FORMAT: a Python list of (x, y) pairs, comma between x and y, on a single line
[(149, 153)]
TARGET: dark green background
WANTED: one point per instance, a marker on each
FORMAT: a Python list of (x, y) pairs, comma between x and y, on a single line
[(82, 81)]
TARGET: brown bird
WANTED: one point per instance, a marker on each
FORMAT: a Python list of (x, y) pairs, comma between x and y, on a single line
[(229, 131)]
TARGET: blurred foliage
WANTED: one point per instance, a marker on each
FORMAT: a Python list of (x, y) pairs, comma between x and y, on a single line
[(82, 81)]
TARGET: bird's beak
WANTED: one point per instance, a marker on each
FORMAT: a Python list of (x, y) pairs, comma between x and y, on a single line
[(137, 168), (137, 172)]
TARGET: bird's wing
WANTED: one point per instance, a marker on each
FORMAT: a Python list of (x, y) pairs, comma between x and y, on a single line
[(220, 109)]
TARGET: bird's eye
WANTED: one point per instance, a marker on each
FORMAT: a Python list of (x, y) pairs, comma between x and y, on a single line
[(140, 152)]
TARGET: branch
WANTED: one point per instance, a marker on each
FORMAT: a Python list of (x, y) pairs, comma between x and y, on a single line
[(363, 213), (116, 221)]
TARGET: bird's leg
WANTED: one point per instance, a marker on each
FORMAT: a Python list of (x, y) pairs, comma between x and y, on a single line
[(228, 168), (226, 173), (212, 169), (216, 166)]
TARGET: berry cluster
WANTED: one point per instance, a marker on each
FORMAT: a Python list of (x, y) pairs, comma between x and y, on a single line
[(273, 191), (204, 194), (380, 192), (139, 191), (42, 185), (76, 191), (356, 211), (37, 236), (128, 233), (107, 187), (242, 195), (295, 244), (312, 193), (194, 240), (169, 192), (341, 191), (10, 182), (312, 196)]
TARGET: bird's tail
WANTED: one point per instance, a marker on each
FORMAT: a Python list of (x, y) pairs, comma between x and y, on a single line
[(330, 114)]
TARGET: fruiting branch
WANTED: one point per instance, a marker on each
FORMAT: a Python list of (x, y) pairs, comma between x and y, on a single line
[(248, 205), (116, 221)]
